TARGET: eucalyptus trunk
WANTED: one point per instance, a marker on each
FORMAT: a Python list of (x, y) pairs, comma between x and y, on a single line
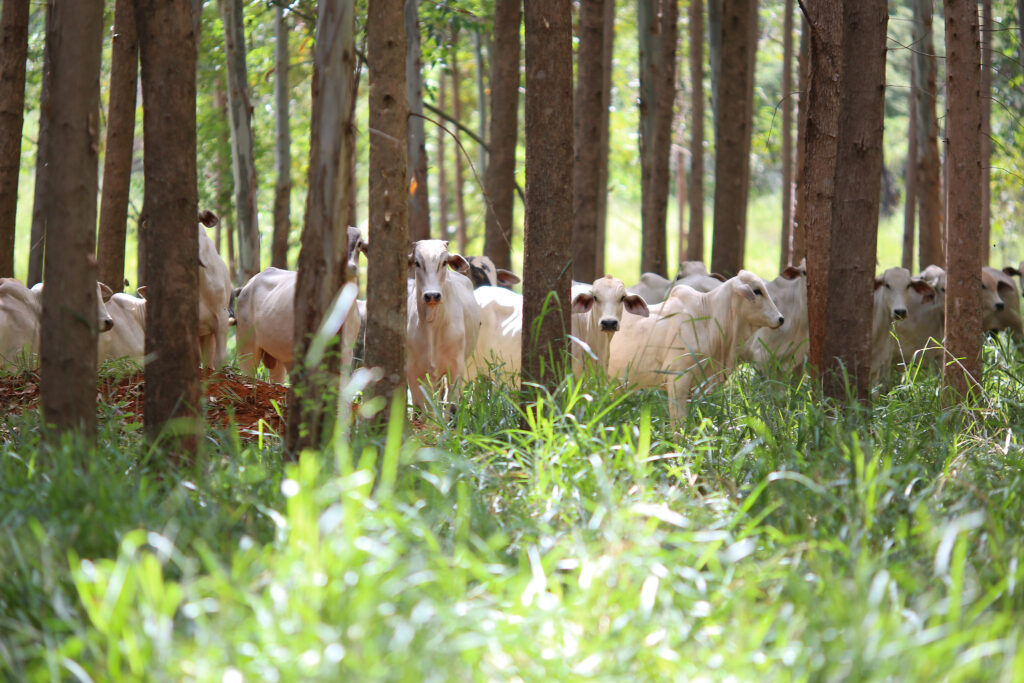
[(986, 130), (419, 198), (40, 193), (460, 200), (13, 53), (282, 145), (786, 257), (695, 238), (929, 179)]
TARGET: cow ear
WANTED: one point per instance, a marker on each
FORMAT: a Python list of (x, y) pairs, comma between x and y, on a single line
[(105, 292), (507, 278), (412, 257), (208, 218), (364, 247), (926, 291), (636, 305), (718, 277), (878, 282), (582, 302), (746, 291), (457, 263), (791, 273), (1010, 270), (141, 291)]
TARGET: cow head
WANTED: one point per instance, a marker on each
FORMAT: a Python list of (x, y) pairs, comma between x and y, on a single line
[(429, 261), (891, 289), (104, 323), (605, 300), (356, 245), (991, 297), (483, 272), (753, 302)]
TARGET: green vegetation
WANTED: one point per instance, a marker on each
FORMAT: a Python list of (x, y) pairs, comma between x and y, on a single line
[(777, 537)]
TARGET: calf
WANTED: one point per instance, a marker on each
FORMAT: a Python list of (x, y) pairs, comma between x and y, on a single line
[(890, 305), (596, 311), (214, 297), (500, 344), (692, 336), (483, 273), (788, 344), (128, 337), (443, 319), (1002, 303)]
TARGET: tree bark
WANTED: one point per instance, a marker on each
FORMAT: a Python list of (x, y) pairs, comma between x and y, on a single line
[(388, 264), (442, 163), (732, 137), (695, 239), (13, 53), (323, 256), (785, 257), (117, 158), (963, 167), (929, 187), (419, 198), (481, 101), (607, 48), (225, 180), (501, 167), (658, 35), (68, 337), (910, 200), (244, 162), (40, 195), (282, 145), (797, 236), (587, 129), (460, 202), (167, 55), (986, 130), (715, 52), (547, 251)]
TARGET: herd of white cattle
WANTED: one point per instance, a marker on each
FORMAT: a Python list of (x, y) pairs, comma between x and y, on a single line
[(464, 321)]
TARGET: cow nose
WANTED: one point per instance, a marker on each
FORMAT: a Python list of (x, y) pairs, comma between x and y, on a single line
[(609, 325), (431, 297), (1000, 305), (900, 313), (108, 324), (782, 320)]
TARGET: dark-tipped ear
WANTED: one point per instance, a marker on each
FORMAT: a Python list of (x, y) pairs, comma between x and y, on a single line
[(208, 218), (926, 291), (105, 292), (791, 273), (507, 278), (457, 263), (412, 255), (1010, 270), (141, 291), (718, 277), (745, 291), (878, 282), (635, 304), (364, 247), (582, 302)]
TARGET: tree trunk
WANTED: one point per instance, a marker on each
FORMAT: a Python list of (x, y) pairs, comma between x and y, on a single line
[(501, 167), (282, 145), (323, 256), (658, 35), (986, 130), (460, 203), (442, 163), (68, 336), (244, 163), (225, 180), (910, 200), (929, 187), (587, 129), (117, 159), (13, 53), (388, 264), (695, 240), (547, 251), (419, 199), (963, 166), (607, 48), (785, 257), (481, 101), (679, 162), (715, 51), (732, 137), (41, 192), (168, 58), (797, 236)]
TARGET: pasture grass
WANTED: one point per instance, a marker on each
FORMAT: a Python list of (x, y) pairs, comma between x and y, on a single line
[(779, 536)]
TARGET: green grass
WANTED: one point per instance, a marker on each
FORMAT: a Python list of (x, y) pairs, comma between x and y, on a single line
[(777, 537)]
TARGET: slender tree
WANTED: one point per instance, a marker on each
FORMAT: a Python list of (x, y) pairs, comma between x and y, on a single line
[(787, 135), (715, 51), (732, 136), (986, 129), (68, 338), (242, 154), (460, 201), (607, 49), (658, 34), (547, 249), (797, 241), (282, 144), (167, 55), (587, 163), (500, 176), (481, 101), (695, 239), (13, 53), (442, 163), (323, 257), (910, 203), (419, 198), (963, 132), (388, 264), (40, 196), (117, 158), (929, 178), (224, 179)]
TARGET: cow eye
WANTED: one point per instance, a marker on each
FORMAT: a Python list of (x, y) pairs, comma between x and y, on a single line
[(622, 299), (758, 292), (418, 264), (887, 286)]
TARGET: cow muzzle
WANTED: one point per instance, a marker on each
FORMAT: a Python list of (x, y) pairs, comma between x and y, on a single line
[(780, 323), (1000, 305), (609, 325), (106, 325), (899, 313), (431, 298)]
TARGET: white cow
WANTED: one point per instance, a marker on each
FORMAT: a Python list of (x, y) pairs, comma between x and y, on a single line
[(890, 305), (128, 337), (214, 297), (788, 344), (596, 312), (695, 274), (443, 319), (653, 288), (21, 310), (484, 273), (691, 337), (1002, 303), (921, 331), (500, 344)]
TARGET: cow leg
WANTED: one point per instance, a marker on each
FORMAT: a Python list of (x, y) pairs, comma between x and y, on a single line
[(678, 390)]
